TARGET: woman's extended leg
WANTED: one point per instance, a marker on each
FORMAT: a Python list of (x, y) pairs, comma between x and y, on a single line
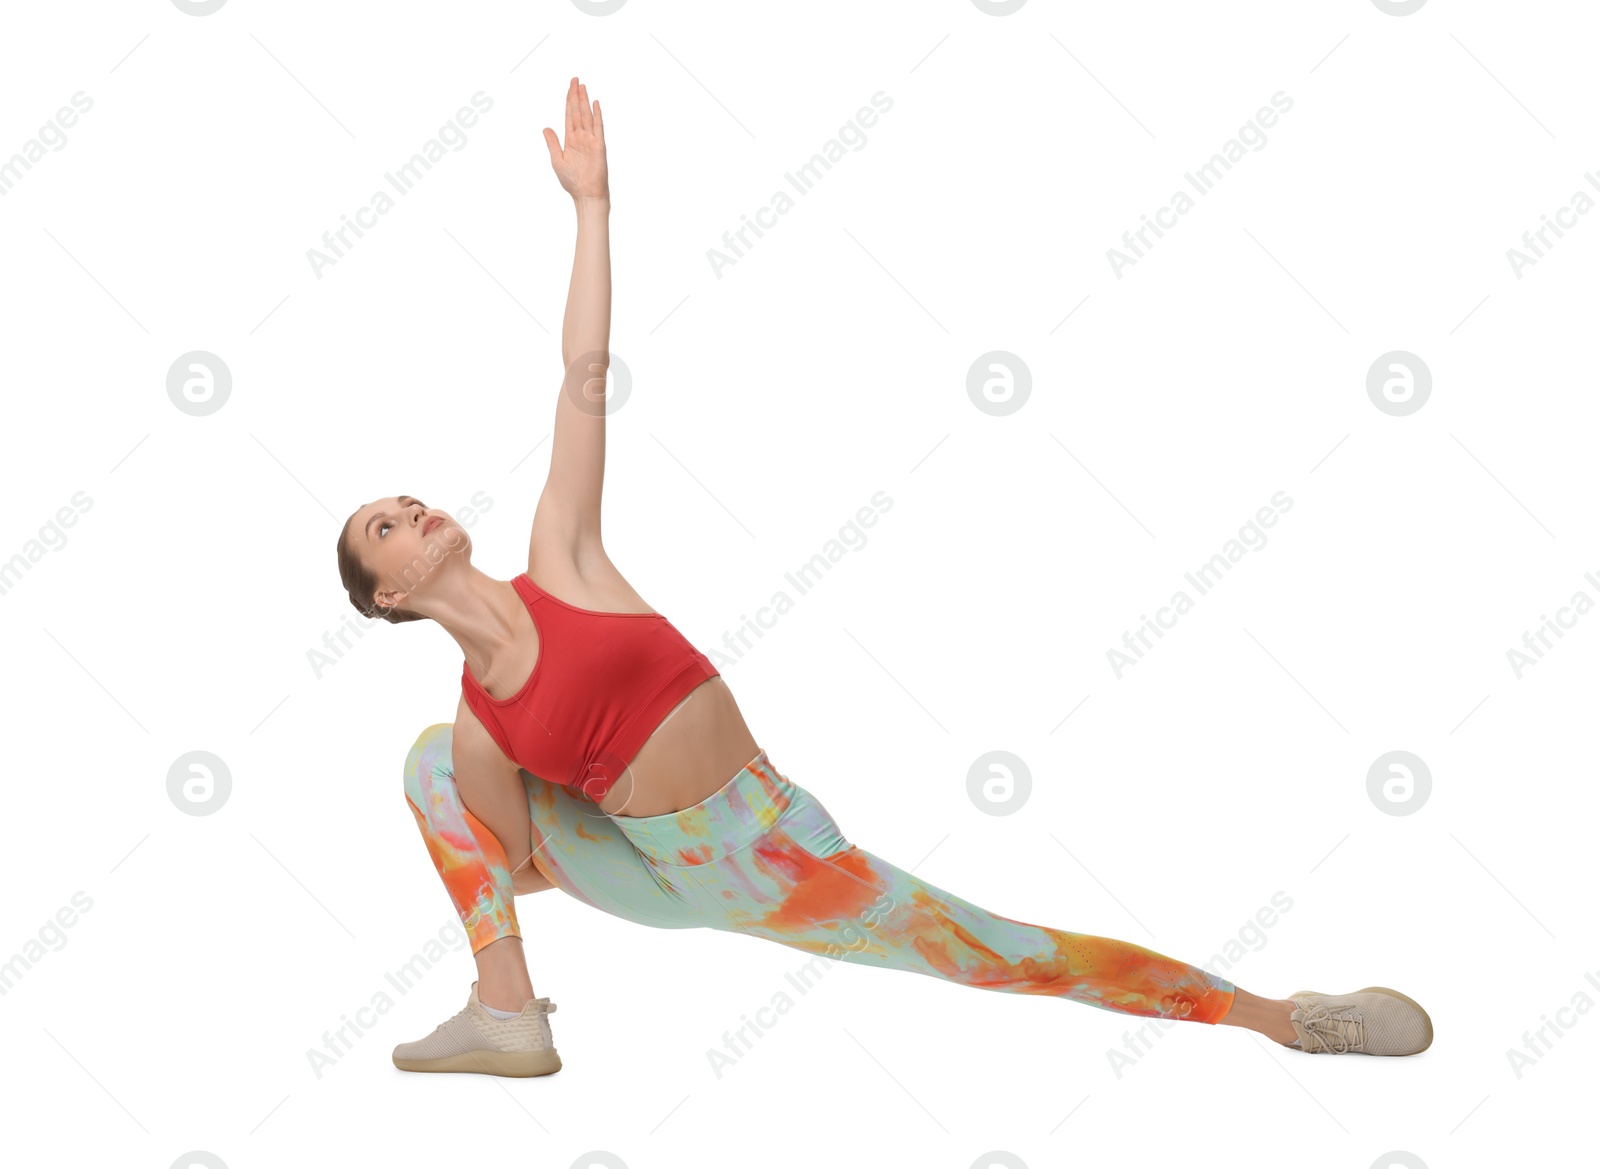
[(768, 860), (766, 854)]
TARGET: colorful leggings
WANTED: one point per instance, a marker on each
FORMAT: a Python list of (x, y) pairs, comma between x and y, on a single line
[(762, 856)]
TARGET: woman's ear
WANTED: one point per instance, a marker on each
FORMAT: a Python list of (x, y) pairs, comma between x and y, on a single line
[(389, 599)]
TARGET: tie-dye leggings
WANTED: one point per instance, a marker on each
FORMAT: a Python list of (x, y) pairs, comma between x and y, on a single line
[(762, 856)]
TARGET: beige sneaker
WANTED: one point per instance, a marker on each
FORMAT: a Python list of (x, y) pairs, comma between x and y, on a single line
[(473, 1040), (1371, 1021)]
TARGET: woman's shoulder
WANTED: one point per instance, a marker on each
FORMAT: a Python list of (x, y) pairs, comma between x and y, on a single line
[(594, 585)]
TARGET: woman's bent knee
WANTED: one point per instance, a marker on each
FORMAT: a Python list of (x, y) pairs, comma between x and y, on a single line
[(431, 749), (434, 735)]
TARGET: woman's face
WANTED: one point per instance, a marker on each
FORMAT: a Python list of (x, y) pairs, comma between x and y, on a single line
[(403, 541)]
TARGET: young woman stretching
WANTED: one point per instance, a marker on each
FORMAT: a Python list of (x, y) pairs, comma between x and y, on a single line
[(596, 751)]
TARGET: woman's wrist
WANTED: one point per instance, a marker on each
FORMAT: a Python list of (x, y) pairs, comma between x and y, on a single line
[(592, 202)]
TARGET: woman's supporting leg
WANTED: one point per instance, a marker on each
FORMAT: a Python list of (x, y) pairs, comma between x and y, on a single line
[(472, 863), (577, 849)]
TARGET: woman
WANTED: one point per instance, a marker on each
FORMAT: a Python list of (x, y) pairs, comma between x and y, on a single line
[(593, 747)]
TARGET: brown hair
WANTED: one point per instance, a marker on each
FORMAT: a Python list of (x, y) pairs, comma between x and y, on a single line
[(360, 582)]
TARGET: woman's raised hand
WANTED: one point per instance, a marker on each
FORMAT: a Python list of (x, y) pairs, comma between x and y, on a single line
[(581, 163)]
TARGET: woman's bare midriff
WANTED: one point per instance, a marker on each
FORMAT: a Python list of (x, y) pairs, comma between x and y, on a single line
[(700, 745)]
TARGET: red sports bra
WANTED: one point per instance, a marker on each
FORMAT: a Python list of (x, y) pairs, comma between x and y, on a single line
[(602, 683)]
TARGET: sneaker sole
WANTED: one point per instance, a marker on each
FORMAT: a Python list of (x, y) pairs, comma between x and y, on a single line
[(491, 1063), (1427, 1023)]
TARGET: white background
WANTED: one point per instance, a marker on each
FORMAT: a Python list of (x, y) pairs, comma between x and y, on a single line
[(768, 404)]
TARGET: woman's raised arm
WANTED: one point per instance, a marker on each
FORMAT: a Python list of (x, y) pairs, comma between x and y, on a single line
[(566, 523)]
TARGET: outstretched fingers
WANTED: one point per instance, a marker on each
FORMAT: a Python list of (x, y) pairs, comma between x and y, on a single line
[(585, 117), (579, 160)]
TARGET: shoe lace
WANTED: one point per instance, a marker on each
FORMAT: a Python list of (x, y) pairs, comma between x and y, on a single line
[(463, 1013), (1332, 1031)]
